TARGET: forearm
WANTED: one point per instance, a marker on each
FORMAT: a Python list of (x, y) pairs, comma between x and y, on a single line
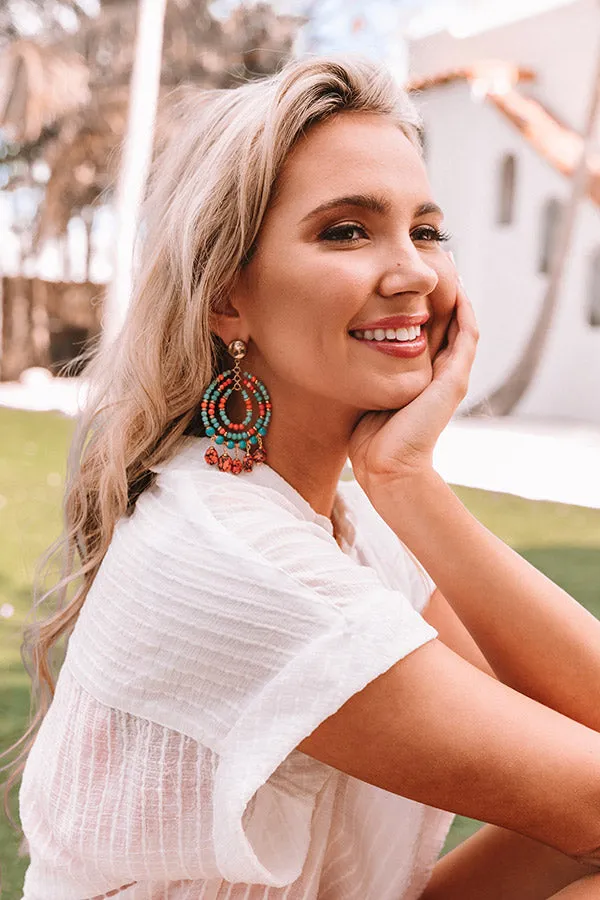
[(586, 889), (536, 637)]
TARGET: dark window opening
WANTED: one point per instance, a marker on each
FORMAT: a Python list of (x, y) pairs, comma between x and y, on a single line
[(594, 290), (550, 227), (508, 179)]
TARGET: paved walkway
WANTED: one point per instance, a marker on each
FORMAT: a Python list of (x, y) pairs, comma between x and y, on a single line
[(541, 460)]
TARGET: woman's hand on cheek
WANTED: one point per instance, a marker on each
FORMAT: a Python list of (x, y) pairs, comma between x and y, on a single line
[(399, 444), (442, 302)]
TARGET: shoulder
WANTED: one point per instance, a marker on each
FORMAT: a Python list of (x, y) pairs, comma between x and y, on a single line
[(190, 498), (194, 512), (194, 486)]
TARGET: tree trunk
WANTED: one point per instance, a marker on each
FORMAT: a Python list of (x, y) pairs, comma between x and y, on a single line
[(137, 153), (504, 399), (87, 215)]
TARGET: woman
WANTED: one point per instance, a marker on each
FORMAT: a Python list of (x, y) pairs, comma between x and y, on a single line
[(264, 694)]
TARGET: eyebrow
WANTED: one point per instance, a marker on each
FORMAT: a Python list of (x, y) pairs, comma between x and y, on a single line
[(371, 202)]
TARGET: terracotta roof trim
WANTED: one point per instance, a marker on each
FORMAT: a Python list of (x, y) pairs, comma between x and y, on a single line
[(489, 71)]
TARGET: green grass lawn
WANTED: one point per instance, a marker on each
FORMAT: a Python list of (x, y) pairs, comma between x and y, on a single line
[(562, 541)]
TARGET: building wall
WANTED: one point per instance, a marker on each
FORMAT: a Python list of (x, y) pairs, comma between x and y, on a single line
[(467, 139), (560, 45)]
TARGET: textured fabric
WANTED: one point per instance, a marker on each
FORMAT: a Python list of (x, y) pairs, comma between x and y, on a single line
[(225, 623)]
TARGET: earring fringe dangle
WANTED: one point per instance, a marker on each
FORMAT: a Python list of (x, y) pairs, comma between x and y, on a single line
[(236, 436)]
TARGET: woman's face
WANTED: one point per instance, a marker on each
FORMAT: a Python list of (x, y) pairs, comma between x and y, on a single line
[(351, 239)]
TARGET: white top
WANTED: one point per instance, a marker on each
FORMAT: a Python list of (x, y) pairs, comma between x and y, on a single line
[(224, 624)]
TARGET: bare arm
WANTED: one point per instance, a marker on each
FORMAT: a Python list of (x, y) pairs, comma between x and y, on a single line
[(453, 633), (536, 637), (437, 730), (585, 889), (495, 863)]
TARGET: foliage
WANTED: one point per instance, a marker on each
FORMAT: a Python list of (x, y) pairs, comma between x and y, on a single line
[(64, 95)]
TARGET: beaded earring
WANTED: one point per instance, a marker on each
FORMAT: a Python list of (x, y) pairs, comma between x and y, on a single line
[(235, 435)]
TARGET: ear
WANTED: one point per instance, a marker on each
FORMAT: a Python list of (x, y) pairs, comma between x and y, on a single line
[(229, 324)]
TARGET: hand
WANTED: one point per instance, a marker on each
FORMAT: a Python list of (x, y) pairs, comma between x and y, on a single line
[(395, 444)]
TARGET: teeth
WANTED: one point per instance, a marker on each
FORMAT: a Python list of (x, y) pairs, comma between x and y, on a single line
[(390, 334)]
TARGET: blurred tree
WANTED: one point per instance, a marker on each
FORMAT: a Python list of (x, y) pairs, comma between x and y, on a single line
[(64, 86)]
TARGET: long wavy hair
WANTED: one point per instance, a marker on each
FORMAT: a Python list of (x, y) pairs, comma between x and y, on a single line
[(213, 176)]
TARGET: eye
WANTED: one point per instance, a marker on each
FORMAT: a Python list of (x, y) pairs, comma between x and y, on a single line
[(346, 233), (430, 234)]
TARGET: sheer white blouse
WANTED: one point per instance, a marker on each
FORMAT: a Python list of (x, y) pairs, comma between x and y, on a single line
[(225, 623)]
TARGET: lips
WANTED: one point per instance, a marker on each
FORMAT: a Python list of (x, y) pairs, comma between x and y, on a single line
[(402, 349)]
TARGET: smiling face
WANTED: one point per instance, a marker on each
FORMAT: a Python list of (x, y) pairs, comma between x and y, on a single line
[(352, 238)]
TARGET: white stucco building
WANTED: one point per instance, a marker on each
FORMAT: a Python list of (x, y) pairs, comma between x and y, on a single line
[(496, 153)]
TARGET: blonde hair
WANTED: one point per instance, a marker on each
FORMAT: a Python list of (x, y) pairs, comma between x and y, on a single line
[(212, 181)]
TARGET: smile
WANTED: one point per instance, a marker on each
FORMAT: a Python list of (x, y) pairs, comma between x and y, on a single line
[(405, 343)]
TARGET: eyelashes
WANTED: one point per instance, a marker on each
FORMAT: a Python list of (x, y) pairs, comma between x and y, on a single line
[(342, 234), (436, 234), (339, 233)]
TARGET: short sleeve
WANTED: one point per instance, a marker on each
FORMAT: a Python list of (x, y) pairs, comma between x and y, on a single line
[(244, 626), (342, 628)]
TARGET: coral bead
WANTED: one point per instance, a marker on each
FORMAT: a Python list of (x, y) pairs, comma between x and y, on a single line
[(211, 456), (225, 463)]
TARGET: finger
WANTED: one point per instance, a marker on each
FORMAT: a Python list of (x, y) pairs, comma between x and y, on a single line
[(465, 313), (459, 355), (452, 331), (465, 344)]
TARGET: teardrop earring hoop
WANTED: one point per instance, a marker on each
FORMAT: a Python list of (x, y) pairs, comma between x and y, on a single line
[(245, 436)]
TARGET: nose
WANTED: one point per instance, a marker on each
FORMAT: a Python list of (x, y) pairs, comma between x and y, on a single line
[(408, 273)]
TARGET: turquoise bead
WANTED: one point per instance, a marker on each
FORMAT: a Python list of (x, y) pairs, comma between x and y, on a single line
[(253, 439), (231, 444), (242, 445), (262, 430), (210, 432), (219, 439)]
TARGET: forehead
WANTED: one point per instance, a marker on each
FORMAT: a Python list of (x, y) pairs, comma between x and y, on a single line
[(352, 153)]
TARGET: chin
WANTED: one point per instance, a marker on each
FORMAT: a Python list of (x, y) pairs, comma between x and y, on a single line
[(407, 388), (411, 384)]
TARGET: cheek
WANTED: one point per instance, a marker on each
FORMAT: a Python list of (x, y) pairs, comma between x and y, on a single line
[(309, 292)]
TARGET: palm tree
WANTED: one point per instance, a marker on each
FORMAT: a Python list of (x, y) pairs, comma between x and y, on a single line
[(64, 101), (137, 153)]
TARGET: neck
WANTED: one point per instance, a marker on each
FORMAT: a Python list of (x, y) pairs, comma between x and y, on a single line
[(308, 450)]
